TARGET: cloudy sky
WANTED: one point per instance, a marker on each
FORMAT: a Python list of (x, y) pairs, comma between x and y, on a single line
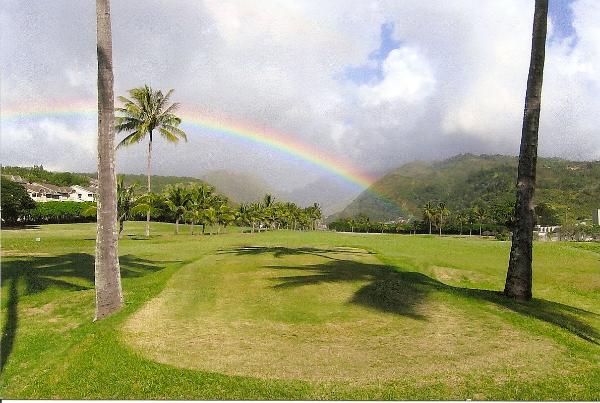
[(372, 83)]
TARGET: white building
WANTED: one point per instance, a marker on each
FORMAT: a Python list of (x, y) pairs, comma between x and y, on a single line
[(43, 192), (546, 233), (81, 194)]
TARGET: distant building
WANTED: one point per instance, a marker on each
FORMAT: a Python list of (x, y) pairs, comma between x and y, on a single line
[(546, 233), (82, 194), (43, 192)]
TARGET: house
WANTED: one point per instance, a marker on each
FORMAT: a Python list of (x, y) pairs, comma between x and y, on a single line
[(43, 192), (81, 194), (546, 233)]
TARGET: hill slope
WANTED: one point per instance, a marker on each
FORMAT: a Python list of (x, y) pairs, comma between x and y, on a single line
[(467, 179), (240, 187)]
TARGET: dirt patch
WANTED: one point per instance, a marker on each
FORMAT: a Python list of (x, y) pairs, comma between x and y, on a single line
[(39, 310), (18, 253)]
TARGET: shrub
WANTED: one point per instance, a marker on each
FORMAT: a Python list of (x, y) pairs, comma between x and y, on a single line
[(60, 212)]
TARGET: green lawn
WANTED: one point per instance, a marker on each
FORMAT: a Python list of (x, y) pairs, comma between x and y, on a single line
[(290, 315)]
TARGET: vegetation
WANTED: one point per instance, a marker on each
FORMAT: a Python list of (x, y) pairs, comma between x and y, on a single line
[(15, 202), (567, 187), (37, 173), (144, 112), (300, 315), (61, 212)]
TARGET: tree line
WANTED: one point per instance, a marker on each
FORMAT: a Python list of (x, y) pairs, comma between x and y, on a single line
[(195, 204), (494, 219)]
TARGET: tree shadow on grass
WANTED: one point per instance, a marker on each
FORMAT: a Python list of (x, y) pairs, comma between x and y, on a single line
[(26, 275), (282, 251), (390, 289)]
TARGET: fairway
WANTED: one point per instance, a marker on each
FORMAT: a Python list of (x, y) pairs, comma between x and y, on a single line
[(319, 315), (297, 315)]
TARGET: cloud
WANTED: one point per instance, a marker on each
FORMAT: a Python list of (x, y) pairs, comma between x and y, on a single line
[(375, 83), (406, 77)]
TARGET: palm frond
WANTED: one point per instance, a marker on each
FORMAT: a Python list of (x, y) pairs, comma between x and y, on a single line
[(133, 138)]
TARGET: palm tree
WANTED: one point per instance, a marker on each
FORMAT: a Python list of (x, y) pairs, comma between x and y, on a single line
[(518, 277), (107, 274), (125, 202), (429, 213), (441, 214), (225, 216), (177, 198), (315, 214), (200, 198), (146, 111), (479, 214)]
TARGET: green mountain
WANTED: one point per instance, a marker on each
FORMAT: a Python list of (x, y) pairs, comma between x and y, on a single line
[(466, 180)]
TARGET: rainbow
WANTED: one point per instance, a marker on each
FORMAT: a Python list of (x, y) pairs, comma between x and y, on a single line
[(270, 139)]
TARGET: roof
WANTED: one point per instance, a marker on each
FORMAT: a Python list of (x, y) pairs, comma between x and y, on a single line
[(15, 178), (89, 189), (58, 189)]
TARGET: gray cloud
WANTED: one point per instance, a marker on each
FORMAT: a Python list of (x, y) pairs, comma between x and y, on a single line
[(455, 84)]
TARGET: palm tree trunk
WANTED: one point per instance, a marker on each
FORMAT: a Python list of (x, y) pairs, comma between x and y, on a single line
[(177, 226), (107, 274), (149, 173), (429, 227), (518, 277)]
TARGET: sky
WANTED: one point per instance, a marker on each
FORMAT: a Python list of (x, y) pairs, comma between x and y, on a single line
[(370, 84)]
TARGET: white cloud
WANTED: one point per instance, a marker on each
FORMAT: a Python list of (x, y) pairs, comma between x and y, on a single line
[(455, 83), (407, 77)]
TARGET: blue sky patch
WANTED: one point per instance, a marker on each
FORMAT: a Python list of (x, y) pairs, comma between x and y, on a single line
[(371, 72), (561, 14)]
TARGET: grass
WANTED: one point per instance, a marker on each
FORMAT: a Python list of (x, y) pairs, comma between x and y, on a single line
[(288, 315)]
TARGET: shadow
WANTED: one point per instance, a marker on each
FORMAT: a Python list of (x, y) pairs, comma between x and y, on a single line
[(400, 292), (282, 251), (26, 275)]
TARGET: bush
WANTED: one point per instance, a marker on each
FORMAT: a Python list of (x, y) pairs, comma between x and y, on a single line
[(60, 212), (15, 201)]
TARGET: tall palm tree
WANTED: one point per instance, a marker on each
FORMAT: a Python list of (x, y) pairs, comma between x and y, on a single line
[(144, 112), (441, 214), (107, 274), (479, 214), (518, 277), (429, 213)]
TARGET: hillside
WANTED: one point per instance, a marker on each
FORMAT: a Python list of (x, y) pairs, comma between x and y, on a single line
[(158, 182), (37, 173), (240, 187), (467, 179), (331, 194)]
